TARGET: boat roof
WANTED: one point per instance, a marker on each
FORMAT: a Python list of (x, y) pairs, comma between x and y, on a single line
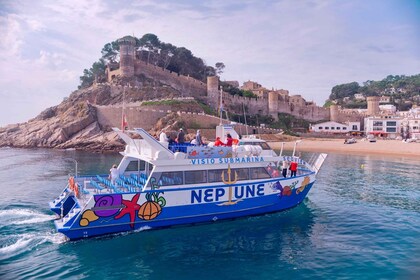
[(149, 149)]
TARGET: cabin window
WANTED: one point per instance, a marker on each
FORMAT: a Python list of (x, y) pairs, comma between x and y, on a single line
[(243, 173), (259, 173), (171, 178), (215, 175), (136, 165), (195, 177), (264, 146)]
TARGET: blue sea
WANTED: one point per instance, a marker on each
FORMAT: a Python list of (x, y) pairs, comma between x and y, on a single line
[(361, 220)]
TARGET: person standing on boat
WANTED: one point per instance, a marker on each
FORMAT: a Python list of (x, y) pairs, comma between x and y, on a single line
[(293, 168), (181, 136), (163, 137), (198, 139), (218, 143), (284, 168), (229, 140), (113, 174)]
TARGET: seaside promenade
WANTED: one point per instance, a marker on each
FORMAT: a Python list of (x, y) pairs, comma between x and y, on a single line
[(380, 147)]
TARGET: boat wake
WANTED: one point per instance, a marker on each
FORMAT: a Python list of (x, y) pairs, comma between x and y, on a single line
[(23, 216), (20, 243)]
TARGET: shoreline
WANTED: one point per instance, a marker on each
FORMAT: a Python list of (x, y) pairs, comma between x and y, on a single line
[(381, 147)]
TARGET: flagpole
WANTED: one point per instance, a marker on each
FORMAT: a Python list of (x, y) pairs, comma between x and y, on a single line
[(123, 110), (221, 105)]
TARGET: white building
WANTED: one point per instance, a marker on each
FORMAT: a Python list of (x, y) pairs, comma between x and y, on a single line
[(385, 126), (336, 127), (388, 109), (412, 126), (384, 99), (359, 96)]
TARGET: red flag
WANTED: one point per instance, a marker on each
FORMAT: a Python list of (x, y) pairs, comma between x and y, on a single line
[(124, 123)]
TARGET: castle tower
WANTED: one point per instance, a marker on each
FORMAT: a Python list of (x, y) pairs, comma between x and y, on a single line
[(372, 105), (127, 55), (273, 104), (213, 94), (334, 113)]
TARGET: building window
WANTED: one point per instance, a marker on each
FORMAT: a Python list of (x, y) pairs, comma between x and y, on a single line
[(332, 127), (326, 128), (354, 127), (377, 123), (344, 128), (391, 129), (377, 128), (338, 128), (320, 127), (391, 123)]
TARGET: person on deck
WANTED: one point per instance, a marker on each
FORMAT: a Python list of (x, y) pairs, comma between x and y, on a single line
[(229, 140), (113, 174), (198, 139), (284, 168), (218, 142), (181, 136), (163, 137), (293, 168)]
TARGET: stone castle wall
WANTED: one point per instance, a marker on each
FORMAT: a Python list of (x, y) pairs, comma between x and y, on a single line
[(188, 86), (147, 116)]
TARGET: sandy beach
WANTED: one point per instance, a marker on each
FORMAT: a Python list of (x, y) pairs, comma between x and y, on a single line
[(381, 147)]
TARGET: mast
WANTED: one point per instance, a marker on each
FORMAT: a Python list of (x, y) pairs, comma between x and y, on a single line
[(221, 106), (246, 125)]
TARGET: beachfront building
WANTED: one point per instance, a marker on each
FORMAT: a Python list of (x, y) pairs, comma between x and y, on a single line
[(384, 126), (332, 127), (412, 126)]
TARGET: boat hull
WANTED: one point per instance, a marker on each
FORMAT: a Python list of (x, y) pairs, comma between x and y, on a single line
[(147, 210)]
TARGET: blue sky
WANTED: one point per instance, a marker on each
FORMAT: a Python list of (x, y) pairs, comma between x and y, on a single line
[(304, 46)]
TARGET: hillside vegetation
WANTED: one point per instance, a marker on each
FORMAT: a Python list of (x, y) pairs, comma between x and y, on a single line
[(404, 92), (151, 50)]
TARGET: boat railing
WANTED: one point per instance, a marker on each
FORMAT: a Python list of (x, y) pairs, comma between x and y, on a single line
[(179, 147)]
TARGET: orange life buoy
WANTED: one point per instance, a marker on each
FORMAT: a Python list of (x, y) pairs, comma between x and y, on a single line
[(71, 183), (235, 141)]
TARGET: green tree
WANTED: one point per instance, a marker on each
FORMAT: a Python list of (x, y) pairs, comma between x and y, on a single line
[(344, 90), (110, 51), (219, 68)]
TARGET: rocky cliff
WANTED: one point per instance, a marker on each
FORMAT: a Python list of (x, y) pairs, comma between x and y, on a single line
[(71, 124), (74, 122)]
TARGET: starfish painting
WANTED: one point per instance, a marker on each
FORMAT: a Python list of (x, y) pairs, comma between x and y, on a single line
[(130, 208)]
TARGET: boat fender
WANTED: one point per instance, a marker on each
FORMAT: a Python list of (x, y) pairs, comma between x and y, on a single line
[(258, 150), (76, 190), (248, 150)]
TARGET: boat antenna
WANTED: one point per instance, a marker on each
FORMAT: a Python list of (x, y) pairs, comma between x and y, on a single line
[(281, 150), (246, 126), (123, 117), (294, 148)]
